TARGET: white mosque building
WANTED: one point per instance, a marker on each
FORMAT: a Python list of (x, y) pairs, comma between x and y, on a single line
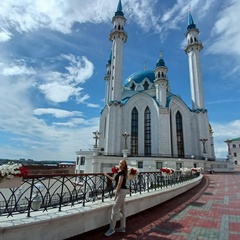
[(142, 120)]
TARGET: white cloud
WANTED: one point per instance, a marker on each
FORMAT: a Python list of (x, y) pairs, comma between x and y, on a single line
[(28, 136), (18, 70), (59, 87), (32, 137), (54, 143), (15, 67), (60, 15), (58, 113), (57, 92), (5, 35), (80, 69), (226, 34), (57, 15), (92, 105)]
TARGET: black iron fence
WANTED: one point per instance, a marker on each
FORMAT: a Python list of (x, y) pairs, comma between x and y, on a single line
[(45, 192)]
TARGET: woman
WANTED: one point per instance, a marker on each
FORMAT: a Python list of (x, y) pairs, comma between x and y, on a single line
[(119, 200)]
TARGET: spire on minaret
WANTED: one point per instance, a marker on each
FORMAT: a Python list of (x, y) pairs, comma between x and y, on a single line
[(145, 65), (119, 11), (160, 61), (191, 23), (161, 54)]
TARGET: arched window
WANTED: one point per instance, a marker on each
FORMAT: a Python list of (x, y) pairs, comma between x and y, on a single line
[(133, 87), (147, 132), (145, 85), (179, 129), (82, 161), (134, 132)]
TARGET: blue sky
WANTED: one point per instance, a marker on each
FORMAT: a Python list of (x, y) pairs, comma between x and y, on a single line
[(53, 57)]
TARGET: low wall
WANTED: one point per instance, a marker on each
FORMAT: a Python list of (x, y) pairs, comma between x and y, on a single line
[(56, 225)]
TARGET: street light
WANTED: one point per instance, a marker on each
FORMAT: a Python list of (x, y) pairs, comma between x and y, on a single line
[(203, 140), (96, 137), (228, 142), (180, 165), (125, 135), (37, 200)]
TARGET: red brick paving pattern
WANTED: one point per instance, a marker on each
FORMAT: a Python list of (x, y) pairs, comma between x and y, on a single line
[(210, 210)]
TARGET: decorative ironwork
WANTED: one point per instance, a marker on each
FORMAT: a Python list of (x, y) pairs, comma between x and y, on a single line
[(58, 191)]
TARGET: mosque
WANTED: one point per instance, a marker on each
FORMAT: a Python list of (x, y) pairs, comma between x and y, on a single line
[(142, 120)]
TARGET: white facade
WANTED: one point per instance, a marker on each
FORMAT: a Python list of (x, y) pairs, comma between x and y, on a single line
[(234, 150), (158, 123)]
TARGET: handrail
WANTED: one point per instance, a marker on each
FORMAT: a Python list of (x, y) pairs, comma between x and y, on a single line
[(51, 191)]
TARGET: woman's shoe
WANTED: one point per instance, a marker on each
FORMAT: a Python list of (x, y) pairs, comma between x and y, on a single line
[(109, 232)]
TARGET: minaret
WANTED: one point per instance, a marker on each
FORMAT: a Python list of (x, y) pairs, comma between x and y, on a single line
[(202, 130), (193, 49), (161, 81), (118, 36), (107, 78), (111, 140)]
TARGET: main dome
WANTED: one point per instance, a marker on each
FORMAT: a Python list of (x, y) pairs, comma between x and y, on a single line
[(139, 77)]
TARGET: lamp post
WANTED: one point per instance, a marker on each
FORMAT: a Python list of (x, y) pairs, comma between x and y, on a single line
[(180, 164), (96, 137), (203, 140), (125, 135), (37, 199), (228, 142)]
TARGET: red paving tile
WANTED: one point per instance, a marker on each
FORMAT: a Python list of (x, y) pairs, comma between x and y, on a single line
[(210, 210), (233, 226)]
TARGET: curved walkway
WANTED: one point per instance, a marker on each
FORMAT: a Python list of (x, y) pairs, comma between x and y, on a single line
[(210, 210)]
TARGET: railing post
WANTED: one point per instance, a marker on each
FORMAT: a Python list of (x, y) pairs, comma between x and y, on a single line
[(61, 194), (30, 198), (84, 190), (103, 187)]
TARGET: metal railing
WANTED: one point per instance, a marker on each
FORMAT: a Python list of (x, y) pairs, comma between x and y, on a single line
[(45, 192)]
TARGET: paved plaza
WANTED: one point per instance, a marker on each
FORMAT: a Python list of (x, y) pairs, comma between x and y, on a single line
[(211, 210)]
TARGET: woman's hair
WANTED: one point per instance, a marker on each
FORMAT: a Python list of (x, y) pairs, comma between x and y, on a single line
[(125, 169)]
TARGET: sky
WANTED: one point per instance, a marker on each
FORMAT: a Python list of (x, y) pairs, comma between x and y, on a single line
[(53, 56)]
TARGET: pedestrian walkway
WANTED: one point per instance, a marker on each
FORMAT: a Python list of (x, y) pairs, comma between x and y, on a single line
[(210, 210)]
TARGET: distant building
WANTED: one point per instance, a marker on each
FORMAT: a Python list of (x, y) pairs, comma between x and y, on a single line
[(142, 120), (235, 150)]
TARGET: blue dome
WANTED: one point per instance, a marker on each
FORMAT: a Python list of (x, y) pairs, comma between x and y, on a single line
[(138, 77)]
